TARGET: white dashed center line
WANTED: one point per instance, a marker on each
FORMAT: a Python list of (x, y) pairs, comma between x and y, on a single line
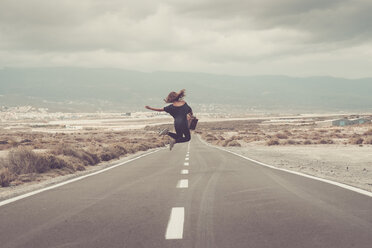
[(186, 164), (175, 224), (186, 159), (184, 172), (183, 183)]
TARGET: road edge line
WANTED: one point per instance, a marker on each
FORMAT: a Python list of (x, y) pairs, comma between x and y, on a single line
[(342, 185), (22, 196)]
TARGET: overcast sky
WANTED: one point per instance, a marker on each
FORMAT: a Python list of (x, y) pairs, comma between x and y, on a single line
[(239, 37)]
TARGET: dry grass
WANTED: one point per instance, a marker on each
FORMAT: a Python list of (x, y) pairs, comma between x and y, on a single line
[(78, 151), (5, 177), (272, 142), (24, 161), (356, 140), (369, 132), (256, 132)]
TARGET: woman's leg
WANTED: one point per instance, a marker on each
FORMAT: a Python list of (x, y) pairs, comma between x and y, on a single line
[(172, 135), (183, 133)]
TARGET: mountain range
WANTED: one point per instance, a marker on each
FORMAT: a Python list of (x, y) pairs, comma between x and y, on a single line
[(91, 89)]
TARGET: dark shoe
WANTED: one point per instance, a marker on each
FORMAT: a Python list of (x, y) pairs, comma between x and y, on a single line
[(171, 144)]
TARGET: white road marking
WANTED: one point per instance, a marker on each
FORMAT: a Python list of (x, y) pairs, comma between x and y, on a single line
[(175, 224), (187, 155), (345, 186), (183, 184), (184, 172), (2, 203), (186, 164), (186, 159)]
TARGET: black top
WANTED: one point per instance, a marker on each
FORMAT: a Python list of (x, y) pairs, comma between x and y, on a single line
[(179, 113)]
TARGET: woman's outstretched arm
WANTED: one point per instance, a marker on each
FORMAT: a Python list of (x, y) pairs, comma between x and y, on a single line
[(154, 109)]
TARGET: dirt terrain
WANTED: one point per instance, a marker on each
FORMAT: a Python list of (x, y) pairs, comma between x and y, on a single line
[(341, 154)]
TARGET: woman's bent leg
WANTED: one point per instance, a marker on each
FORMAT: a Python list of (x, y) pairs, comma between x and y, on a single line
[(184, 135), (173, 135)]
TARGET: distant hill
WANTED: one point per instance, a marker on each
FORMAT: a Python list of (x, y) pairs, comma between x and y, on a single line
[(80, 89)]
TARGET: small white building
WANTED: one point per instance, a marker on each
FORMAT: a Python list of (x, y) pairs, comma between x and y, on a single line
[(348, 122)]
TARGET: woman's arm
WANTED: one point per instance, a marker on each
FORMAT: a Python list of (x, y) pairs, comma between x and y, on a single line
[(154, 109)]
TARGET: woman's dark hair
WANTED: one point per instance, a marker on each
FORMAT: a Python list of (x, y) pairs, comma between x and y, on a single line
[(174, 96)]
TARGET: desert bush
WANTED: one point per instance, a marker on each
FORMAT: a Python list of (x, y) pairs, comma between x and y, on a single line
[(281, 136), (369, 132), (51, 161), (210, 137), (356, 141), (307, 142), (22, 160), (287, 132), (5, 177), (237, 137), (291, 142), (85, 156), (234, 143), (225, 142), (326, 141), (368, 141), (272, 142)]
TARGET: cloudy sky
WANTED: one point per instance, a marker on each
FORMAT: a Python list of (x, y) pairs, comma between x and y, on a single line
[(239, 37)]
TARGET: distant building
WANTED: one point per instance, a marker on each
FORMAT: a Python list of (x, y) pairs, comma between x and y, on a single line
[(347, 122), (359, 121)]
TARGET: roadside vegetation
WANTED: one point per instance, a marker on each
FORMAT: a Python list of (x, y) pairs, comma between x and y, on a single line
[(29, 155), (240, 133)]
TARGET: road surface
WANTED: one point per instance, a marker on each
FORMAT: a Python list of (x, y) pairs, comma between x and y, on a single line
[(195, 196)]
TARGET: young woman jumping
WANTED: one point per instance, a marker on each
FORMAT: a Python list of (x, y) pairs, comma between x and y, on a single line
[(181, 112)]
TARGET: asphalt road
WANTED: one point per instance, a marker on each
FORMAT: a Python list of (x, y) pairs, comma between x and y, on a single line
[(223, 201)]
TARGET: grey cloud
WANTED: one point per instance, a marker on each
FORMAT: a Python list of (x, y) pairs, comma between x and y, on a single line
[(197, 33), (332, 20)]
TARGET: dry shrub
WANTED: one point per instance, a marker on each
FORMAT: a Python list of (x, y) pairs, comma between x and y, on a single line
[(369, 132), (23, 160), (307, 142), (326, 141), (51, 161), (281, 136), (315, 136), (224, 142), (115, 151), (356, 141), (234, 143), (5, 177), (291, 142), (210, 137), (272, 142), (287, 132), (368, 141), (86, 157), (236, 137)]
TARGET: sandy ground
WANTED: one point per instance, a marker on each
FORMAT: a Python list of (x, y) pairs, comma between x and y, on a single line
[(349, 164)]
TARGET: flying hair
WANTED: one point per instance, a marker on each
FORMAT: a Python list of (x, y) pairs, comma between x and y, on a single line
[(174, 96)]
